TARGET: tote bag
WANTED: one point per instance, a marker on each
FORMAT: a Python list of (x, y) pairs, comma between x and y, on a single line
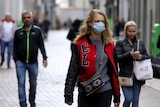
[(143, 69)]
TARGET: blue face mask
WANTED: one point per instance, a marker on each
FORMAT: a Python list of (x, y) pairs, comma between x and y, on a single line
[(99, 27)]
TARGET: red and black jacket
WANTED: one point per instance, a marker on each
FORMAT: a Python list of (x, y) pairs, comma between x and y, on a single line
[(82, 66)]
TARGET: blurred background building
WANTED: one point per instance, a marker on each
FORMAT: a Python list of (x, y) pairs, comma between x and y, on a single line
[(62, 12)]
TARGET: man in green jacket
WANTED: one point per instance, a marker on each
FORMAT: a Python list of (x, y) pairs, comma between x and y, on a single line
[(27, 40)]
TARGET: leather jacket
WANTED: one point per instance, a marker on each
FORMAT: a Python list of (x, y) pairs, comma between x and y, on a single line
[(124, 58), (35, 42)]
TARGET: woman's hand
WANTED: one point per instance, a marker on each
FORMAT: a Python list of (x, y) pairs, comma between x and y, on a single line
[(136, 55)]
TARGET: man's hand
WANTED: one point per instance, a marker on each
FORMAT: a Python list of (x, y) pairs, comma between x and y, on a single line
[(69, 103), (45, 63), (116, 104)]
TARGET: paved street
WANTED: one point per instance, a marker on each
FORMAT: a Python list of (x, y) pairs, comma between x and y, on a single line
[(51, 79)]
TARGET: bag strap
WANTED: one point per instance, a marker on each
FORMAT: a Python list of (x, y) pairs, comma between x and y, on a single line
[(101, 61), (135, 59), (138, 44)]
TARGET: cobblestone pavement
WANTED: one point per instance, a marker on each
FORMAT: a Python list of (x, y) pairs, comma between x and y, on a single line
[(51, 79)]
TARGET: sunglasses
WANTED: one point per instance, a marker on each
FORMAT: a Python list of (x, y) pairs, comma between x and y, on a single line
[(26, 17)]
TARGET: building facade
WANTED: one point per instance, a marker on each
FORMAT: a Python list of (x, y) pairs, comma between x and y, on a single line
[(144, 12)]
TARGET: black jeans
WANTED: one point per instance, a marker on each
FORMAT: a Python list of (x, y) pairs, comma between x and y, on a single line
[(102, 99)]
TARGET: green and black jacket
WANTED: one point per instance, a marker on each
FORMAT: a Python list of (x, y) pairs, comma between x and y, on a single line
[(27, 43)]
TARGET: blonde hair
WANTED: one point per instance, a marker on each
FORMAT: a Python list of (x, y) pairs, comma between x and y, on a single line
[(85, 29), (128, 24)]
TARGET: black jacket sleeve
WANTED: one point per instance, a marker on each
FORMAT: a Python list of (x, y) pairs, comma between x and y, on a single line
[(143, 51), (42, 46), (121, 54), (15, 47), (71, 77)]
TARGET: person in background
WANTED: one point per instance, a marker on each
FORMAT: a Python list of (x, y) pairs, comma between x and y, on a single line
[(118, 28), (27, 41), (127, 53), (121, 26), (20, 23), (7, 29), (58, 23), (73, 31), (35, 19), (94, 38), (45, 24)]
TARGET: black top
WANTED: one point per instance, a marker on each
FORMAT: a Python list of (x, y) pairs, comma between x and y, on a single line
[(27, 43)]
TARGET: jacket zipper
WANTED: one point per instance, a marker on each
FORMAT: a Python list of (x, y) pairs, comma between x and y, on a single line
[(27, 58)]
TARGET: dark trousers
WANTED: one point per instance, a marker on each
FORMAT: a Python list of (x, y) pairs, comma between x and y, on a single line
[(102, 99)]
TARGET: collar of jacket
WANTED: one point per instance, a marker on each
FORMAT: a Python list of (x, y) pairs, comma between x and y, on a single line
[(32, 28), (133, 40), (3, 20), (109, 50)]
